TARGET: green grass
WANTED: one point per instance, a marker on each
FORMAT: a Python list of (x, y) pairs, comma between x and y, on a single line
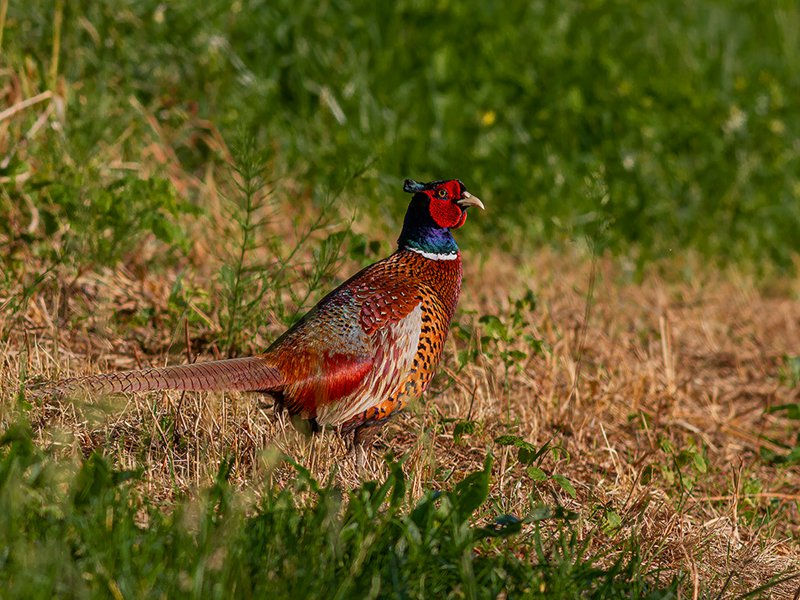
[(103, 539), (684, 112)]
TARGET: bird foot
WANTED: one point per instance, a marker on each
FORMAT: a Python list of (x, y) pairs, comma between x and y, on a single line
[(359, 446)]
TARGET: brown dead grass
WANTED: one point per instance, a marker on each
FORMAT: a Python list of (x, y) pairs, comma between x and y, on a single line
[(659, 360)]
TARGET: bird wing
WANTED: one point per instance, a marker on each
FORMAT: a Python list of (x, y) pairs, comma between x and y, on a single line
[(353, 347), (395, 342)]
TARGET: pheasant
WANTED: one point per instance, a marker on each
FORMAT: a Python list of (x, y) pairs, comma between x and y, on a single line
[(365, 349)]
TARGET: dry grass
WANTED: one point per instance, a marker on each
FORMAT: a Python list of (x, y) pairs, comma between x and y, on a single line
[(695, 364)]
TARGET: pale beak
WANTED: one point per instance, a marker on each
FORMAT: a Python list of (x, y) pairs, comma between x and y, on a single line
[(470, 200)]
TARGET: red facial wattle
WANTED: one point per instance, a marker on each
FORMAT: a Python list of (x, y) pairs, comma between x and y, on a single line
[(444, 207), (447, 213), (445, 203)]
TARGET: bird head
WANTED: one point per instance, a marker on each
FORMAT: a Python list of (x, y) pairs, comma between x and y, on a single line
[(446, 201)]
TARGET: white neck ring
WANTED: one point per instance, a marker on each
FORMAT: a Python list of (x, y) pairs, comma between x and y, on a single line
[(434, 255)]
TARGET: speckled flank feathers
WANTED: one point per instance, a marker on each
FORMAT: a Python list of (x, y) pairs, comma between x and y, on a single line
[(366, 348)]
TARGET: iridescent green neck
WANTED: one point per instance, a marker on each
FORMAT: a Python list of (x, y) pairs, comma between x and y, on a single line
[(429, 241), (421, 234)]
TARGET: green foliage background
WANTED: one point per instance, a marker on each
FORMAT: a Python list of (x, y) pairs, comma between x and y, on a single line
[(686, 113)]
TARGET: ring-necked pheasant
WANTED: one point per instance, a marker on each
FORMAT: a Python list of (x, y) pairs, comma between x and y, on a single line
[(365, 349)]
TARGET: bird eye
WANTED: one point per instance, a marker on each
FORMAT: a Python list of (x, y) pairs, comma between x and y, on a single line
[(442, 193)]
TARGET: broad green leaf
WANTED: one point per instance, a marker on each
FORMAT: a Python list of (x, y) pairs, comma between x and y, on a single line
[(565, 484), (536, 474)]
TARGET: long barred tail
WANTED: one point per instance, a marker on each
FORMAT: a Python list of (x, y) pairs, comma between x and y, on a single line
[(240, 374)]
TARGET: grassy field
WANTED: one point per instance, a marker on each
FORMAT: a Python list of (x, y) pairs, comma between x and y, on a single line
[(617, 410)]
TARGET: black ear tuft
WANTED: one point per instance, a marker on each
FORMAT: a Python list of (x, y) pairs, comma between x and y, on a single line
[(412, 187)]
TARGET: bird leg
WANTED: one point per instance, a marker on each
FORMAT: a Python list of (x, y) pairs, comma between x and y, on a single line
[(364, 435), (359, 443)]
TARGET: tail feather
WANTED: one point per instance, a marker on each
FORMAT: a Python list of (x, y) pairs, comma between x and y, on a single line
[(240, 374)]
